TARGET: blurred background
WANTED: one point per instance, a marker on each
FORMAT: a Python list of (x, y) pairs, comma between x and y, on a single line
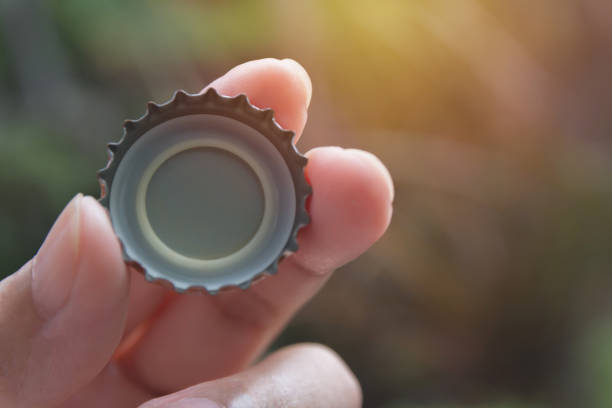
[(492, 287)]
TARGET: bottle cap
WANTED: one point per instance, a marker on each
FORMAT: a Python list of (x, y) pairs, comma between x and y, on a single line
[(205, 192)]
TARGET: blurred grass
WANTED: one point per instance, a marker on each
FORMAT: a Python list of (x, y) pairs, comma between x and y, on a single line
[(161, 35), (39, 173)]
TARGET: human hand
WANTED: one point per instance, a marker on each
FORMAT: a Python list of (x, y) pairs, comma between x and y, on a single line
[(80, 329)]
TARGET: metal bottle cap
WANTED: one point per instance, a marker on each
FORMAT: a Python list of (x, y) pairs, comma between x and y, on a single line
[(205, 191)]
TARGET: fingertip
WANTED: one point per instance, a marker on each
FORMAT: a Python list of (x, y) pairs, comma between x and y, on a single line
[(102, 278), (350, 207), (378, 185), (98, 233), (80, 261), (379, 171), (96, 310), (72, 305), (53, 267), (282, 85), (303, 79), (330, 361)]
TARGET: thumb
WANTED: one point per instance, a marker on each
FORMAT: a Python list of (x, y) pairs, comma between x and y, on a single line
[(62, 314), (299, 376)]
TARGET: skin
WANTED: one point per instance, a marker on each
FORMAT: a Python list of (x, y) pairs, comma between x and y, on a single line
[(79, 328)]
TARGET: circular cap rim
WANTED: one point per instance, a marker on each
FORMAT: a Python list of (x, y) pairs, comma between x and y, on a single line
[(240, 109)]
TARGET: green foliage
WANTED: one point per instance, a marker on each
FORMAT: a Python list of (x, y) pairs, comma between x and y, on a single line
[(39, 172), (596, 363), (120, 35)]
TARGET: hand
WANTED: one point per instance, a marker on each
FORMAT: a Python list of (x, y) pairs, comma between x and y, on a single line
[(80, 329)]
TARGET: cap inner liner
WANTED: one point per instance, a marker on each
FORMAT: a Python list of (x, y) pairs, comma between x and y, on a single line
[(204, 202)]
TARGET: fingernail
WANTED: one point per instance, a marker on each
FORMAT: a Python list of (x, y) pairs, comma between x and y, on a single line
[(55, 263), (195, 403)]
